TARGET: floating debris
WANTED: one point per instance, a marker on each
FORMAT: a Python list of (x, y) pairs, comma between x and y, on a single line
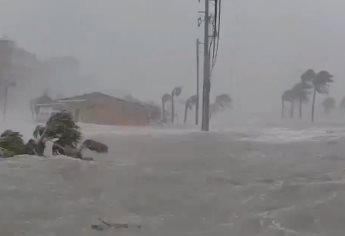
[(107, 225)]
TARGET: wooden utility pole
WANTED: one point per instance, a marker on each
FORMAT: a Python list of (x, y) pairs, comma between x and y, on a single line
[(197, 81), (207, 69)]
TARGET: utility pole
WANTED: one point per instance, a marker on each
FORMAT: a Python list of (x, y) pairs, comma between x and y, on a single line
[(207, 69), (197, 81), (211, 19)]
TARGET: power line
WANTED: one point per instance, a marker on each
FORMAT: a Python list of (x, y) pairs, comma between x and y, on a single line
[(215, 29), (211, 47), (214, 60)]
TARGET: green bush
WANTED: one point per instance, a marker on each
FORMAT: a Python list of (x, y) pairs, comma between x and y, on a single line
[(12, 143)]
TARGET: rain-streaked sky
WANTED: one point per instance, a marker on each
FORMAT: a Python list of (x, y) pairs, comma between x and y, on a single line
[(146, 47)]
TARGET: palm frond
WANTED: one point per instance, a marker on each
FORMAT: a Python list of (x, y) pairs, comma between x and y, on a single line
[(166, 97), (177, 91), (321, 82), (308, 76), (223, 100)]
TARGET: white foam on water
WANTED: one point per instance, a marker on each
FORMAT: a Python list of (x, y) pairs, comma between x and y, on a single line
[(249, 132), (92, 129), (286, 135)]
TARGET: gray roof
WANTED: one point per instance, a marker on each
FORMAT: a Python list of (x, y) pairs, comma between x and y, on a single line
[(102, 96)]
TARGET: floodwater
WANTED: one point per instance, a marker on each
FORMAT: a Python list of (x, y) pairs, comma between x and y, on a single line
[(243, 182)]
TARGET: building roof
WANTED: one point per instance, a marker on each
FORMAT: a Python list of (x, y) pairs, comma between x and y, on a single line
[(89, 97), (98, 95)]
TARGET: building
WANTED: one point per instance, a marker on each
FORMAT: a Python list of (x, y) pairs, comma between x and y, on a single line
[(99, 108)]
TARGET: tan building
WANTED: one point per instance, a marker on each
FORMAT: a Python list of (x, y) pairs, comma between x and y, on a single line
[(99, 108)]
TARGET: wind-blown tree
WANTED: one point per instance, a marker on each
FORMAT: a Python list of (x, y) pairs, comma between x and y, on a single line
[(288, 96), (213, 109), (321, 85), (60, 126), (11, 143), (308, 76), (165, 98), (174, 93), (189, 105), (222, 102), (328, 105), (66, 135), (300, 93), (61, 130)]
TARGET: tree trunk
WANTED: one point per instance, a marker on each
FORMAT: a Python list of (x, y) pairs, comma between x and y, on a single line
[(172, 108), (283, 109), (292, 109), (300, 108), (163, 112), (313, 106), (186, 113)]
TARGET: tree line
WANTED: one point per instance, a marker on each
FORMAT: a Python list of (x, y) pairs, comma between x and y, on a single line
[(310, 84), (222, 102)]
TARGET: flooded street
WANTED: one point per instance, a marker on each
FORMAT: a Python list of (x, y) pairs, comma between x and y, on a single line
[(183, 183), (123, 89)]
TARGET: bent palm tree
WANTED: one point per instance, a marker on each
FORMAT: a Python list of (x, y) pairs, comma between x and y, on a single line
[(222, 102), (288, 96), (301, 92), (321, 86), (174, 93), (165, 98), (192, 101), (308, 76), (328, 105)]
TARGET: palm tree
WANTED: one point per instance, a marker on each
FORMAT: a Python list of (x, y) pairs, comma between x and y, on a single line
[(321, 84), (192, 101), (308, 76), (174, 93), (288, 96), (213, 109), (222, 102), (328, 105), (165, 98), (301, 92)]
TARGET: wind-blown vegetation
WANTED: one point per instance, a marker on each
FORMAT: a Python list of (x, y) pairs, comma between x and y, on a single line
[(59, 129), (311, 83)]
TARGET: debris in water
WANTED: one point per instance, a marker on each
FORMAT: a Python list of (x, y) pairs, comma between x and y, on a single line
[(106, 225)]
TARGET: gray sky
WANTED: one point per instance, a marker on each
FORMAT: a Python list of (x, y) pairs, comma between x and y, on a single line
[(146, 47)]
